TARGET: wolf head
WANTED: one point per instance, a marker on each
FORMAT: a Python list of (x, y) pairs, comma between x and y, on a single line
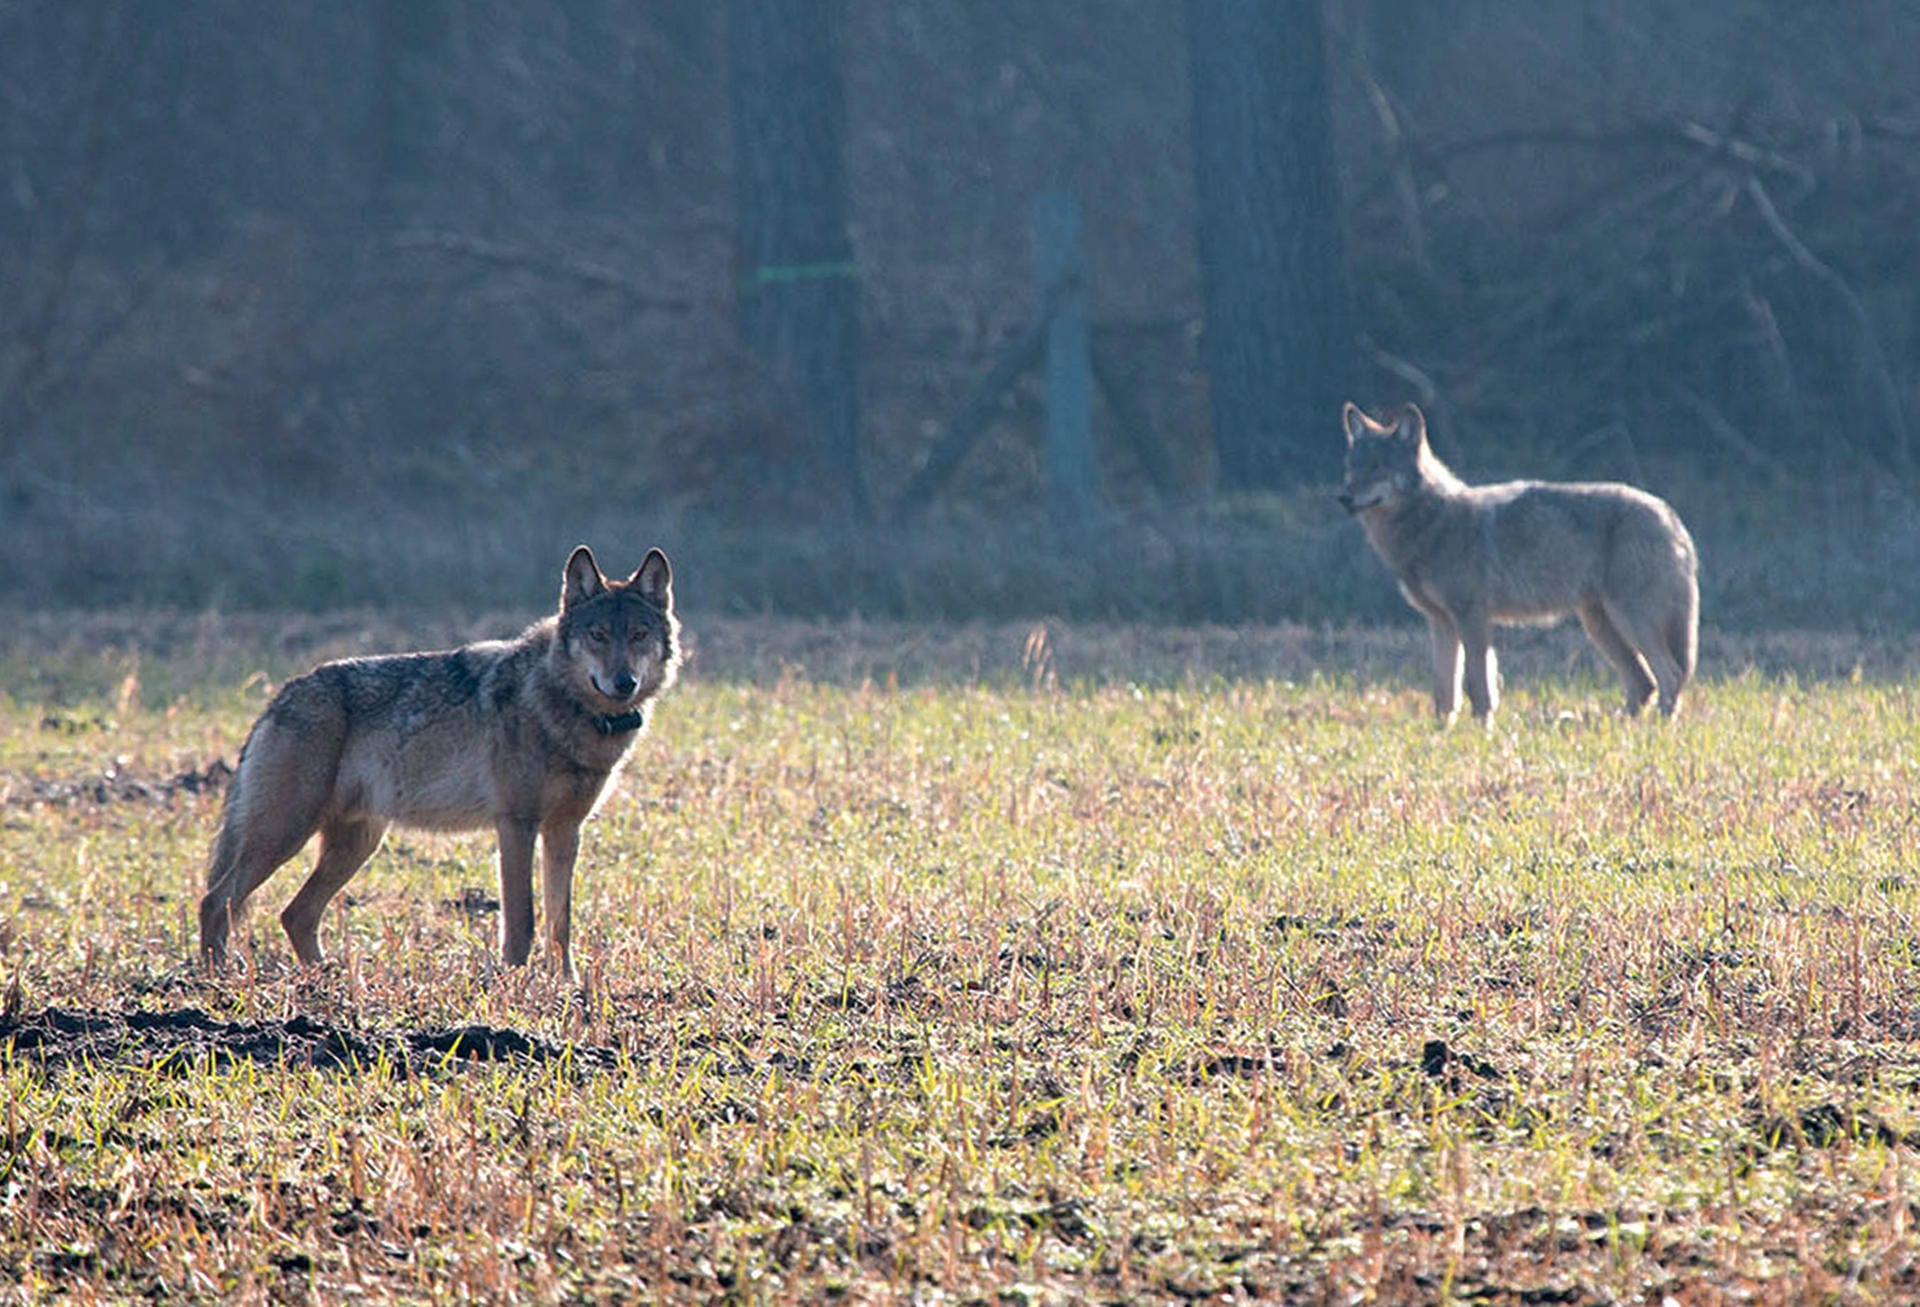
[(618, 641), (1384, 459)]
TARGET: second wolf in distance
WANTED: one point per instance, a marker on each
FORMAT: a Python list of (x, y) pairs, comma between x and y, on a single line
[(522, 735), (1470, 557)]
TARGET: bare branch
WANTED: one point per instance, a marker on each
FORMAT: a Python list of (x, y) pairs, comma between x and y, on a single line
[(1872, 356), (564, 266), (1716, 424), (1425, 390)]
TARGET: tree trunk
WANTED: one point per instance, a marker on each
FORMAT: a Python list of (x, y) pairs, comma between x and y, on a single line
[(1060, 282), (798, 292), (1278, 346), (409, 40)]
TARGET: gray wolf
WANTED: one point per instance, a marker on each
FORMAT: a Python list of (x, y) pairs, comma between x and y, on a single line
[(1469, 557), (521, 734)]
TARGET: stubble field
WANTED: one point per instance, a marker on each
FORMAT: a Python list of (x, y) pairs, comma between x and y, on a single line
[(959, 966)]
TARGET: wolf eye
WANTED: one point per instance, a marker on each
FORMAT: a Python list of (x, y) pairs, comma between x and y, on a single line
[(598, 635)]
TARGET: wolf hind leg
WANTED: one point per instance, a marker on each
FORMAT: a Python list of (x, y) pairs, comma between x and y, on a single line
[(1648, 634), (255, 841), (1626, 660), (345, 845)]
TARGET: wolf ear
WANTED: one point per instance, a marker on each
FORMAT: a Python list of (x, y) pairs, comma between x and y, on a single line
[(583, 579), (1411, 426), (1354, 421), (654, 577)]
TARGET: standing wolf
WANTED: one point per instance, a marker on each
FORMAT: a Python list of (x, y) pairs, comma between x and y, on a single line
[(521, 734), (1522, 551)]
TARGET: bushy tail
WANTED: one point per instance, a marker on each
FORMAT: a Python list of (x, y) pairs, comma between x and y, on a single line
[(274, 805), (1683, 639), (217, 908), (1682, 633), (229, 883)]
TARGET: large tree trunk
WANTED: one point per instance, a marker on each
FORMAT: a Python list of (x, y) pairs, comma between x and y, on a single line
[(798, 293), (410, 41), (1278, 345)]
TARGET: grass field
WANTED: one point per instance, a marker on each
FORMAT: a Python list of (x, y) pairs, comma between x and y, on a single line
[(945, 966)]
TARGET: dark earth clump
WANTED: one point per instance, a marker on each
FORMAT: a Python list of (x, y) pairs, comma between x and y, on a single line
[(114, 784), (57, 1038)]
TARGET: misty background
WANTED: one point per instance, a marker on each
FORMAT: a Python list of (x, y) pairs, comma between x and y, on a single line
[(941, 308)]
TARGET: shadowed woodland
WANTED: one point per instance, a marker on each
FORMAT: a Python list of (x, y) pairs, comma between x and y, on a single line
[(392, 304)]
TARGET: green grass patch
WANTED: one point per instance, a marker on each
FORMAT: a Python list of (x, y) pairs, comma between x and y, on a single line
[(1003, 985)]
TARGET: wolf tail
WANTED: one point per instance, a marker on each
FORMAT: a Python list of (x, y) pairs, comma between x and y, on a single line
[(1683, 639), (277, 799), (217, 908), (233, 864), (1683, 625)]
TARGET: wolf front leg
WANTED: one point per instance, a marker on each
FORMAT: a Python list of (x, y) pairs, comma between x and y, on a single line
[(516, 888), (1446, 665), (559, 846), (1483, 667)]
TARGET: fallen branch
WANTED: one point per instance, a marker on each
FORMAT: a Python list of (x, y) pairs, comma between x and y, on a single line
[(1425, 390), (1716, 424), (977, 414), (553, 265), (1130, 420), (973, 419), (1873, 357), (1746, 152)]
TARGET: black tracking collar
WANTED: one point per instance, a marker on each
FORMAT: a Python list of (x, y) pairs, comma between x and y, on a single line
[(620, 723)]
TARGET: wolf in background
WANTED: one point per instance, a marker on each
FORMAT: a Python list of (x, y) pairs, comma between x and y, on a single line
[(521, 734), (1469, 557)]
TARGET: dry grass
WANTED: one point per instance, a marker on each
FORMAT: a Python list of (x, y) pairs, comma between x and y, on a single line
[(1844, 556), (1005, 981)]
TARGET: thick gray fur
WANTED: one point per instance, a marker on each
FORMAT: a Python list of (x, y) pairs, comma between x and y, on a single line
[(1470, 557), (522, 735)]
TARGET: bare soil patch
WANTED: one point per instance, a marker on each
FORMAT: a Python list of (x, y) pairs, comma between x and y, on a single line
[(190, 1038)]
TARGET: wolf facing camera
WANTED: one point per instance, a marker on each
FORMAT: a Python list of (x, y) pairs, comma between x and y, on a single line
[(520, 734)]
